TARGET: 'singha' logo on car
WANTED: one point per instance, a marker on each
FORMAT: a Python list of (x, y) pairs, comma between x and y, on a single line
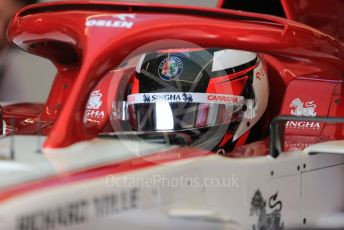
[(299, 108), (267, 220), (309, 125), (307, 109), (95, 100), (170, 68), (93, 105)]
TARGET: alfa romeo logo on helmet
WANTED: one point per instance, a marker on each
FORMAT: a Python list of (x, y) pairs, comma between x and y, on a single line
[(170, 68)]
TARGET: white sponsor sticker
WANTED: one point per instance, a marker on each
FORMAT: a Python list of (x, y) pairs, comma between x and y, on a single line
[(117, 21), (300, 108), (93, 105), (184, 97), (95, 100), (303, 125)]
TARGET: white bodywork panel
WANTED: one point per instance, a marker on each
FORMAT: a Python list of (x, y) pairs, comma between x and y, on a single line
[(319, 189), (30, 165), (323, 172), (128, 201), (327, 147)]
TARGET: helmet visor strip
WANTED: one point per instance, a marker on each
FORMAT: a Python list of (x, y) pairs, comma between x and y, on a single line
[(180, 111)]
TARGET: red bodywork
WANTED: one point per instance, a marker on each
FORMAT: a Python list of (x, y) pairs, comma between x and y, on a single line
[(327, 16), (83, 55)]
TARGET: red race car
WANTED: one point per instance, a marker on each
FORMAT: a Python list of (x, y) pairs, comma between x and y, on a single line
[(159, 117)]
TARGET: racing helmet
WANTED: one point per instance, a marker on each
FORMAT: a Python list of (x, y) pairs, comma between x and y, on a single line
[(217, 96)]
